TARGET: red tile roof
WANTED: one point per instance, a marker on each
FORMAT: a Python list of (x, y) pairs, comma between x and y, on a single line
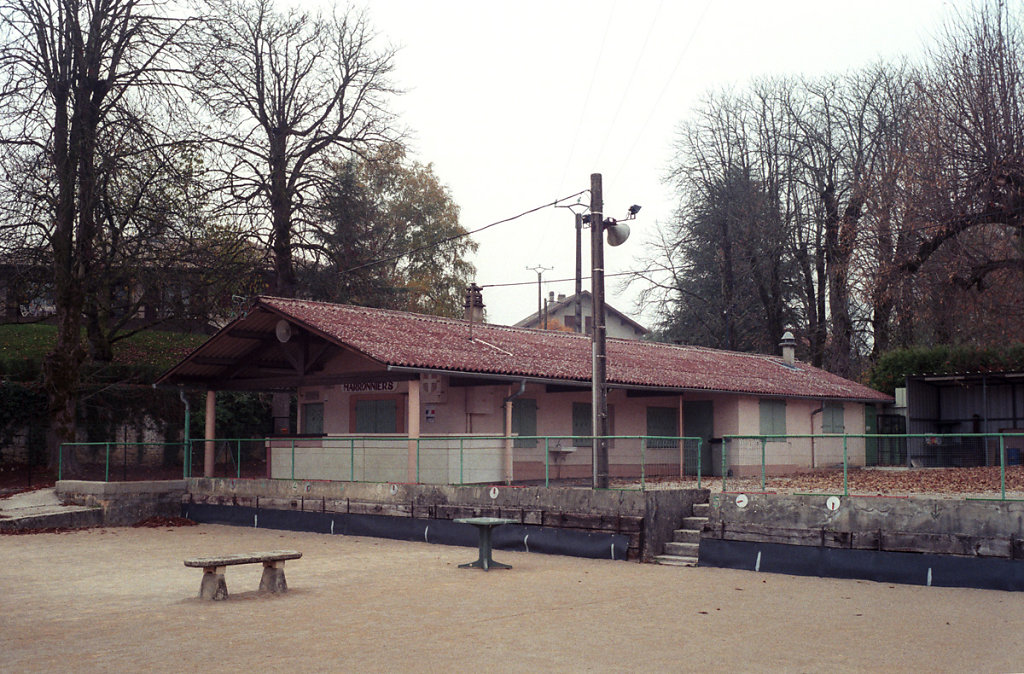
[(428, 342)]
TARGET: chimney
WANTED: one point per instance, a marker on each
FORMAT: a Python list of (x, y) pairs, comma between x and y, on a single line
[(788, 345), (474, 304)]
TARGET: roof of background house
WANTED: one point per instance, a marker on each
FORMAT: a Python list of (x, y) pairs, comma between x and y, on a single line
[(534, 318), (414, 341)]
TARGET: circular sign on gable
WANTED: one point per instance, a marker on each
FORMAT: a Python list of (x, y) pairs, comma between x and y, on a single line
[(832, 503), (742, 500), (394, 489), (494, 492)]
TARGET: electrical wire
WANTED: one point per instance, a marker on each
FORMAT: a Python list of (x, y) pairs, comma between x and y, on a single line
[(653, 108), (445, 240), (629, 80), (561, 280)]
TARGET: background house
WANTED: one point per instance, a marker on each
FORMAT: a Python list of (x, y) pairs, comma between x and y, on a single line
[(561, 311)]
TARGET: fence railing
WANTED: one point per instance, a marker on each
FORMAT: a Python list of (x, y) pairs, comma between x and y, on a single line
[(635, 462), (885, 464), (983, 465)]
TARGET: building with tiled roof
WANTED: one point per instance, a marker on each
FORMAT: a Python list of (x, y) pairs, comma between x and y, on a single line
[(561, 311), (414, 391)]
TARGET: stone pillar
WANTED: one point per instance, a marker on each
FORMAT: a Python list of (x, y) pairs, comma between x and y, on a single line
[(213, 586), (211, 433), (413, 414), (273, 578)]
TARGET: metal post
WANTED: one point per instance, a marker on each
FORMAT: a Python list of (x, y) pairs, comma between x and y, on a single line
[(238, 461), (293, 459), (643, 462), (579, 272), (352, 459), (462, 460), (700, 441), (60, 462), (417, 460), (725, 445), (106, 472), (547, 461), (1002, 466), (764, 442), (846, 466), (599, 393)]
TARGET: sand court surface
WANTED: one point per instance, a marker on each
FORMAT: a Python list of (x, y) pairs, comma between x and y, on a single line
[(114, 600)]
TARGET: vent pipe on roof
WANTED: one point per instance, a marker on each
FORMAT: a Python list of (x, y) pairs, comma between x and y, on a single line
[(788, 345)]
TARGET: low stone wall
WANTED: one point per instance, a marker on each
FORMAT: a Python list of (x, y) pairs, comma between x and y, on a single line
[(993, 529), (647, 518), (125, 503)]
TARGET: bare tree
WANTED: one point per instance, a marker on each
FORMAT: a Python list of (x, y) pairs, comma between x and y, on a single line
[(286, 90), (970, 137), (69, 65)]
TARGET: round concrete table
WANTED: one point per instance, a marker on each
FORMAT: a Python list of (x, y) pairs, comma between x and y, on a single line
[(484, 525)]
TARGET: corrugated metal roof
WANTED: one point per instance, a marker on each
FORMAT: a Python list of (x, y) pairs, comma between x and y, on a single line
[(401, 339)]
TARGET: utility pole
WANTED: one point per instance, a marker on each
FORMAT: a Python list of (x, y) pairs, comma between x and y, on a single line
[(599, 390), (540, 271), (579, 272)]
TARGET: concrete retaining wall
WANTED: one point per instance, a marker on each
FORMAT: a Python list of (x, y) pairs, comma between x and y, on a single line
[(935, 526), (648, 518), (125, 503)]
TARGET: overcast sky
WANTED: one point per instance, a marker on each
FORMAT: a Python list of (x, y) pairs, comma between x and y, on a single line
[(517, 103)]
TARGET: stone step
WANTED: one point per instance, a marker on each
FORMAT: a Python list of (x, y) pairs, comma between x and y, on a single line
[(686, 536), (682, 549), (694, 523), (675, 560), (701, 509)]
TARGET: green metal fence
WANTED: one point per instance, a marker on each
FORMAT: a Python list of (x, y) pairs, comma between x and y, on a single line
[(967, 465), (635, 462), (971, 465)]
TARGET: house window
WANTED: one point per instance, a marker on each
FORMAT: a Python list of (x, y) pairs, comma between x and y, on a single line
[(313, 418), (376, 415), (664, 422), (832, 420), (581, 425), (524, 421), (773, 419)]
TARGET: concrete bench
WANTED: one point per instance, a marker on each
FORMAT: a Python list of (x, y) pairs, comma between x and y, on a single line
[(213, 585)]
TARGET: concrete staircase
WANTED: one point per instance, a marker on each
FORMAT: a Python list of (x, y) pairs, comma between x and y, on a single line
[(683, 549)]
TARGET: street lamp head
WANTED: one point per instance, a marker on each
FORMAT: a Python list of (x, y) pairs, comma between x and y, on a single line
[(633, 210)]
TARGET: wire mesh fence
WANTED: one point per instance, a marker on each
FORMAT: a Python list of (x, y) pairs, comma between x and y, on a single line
[(971, 465), (634, 462), (966, 465)]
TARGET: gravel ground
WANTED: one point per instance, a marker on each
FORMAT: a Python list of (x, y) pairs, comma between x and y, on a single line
[(114, 600)]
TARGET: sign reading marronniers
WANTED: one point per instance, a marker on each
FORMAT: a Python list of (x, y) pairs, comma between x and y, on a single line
[(368, 386)]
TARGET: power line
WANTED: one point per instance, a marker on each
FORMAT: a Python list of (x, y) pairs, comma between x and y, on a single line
[(561, 280), (668, 82), (445, 240), (629, 80)]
